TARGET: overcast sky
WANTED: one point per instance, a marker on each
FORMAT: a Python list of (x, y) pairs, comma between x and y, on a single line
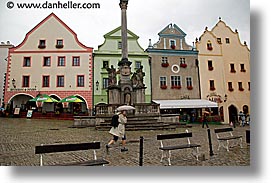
[(146, 18)]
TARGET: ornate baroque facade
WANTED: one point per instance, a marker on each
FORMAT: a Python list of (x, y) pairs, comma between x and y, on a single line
[(225, 70), (174, 66), (52, 61), (107, 58)]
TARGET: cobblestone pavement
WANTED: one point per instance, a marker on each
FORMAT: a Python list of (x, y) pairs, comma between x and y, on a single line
[(20, 136)]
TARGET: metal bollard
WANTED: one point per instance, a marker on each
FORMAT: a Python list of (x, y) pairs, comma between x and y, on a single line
[(247, 135), (210, 143), (141, 151)]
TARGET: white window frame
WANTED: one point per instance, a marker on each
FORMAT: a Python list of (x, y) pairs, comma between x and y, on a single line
[(189, 81), (177, 80), (164, 80), (170, 41)]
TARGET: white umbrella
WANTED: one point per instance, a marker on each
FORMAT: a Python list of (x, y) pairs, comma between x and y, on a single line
[(125, 108)]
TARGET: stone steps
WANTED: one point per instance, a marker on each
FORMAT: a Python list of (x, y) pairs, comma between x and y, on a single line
[(140, 128), (139, 125), (135, 123)]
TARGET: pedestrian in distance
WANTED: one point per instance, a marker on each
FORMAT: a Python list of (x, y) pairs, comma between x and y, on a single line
[(118, 130), (242, 118), (204, 121), (248, 119)]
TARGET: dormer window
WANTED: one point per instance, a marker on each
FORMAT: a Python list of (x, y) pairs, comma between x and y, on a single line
[(227, 41), (209, 45), (59, 43), (173, 44), (42, 44)]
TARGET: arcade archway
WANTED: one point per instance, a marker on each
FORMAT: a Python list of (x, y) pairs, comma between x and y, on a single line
[(21, 101), (233, 114)]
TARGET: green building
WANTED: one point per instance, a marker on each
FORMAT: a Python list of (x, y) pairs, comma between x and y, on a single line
[(109, 54)]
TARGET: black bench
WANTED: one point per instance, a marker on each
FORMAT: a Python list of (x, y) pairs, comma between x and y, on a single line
[(44, 149), (224, 135), (166, 150)]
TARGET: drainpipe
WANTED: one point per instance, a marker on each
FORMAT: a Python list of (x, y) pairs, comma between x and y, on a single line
[(197, 64), (93, 79), (150, 65)]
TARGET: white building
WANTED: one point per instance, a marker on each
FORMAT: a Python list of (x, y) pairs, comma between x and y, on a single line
[(51, 61)]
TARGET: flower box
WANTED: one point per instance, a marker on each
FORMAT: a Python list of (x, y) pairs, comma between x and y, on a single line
[(241, 89), (59, 46), (173, 47), (210, 48), (41, 46), (183, 65), (165, 64), (233, 71), (243, 70), (190, 87), (210, 68), (163, 87), (231, 89), (175, 87), (212, 88)]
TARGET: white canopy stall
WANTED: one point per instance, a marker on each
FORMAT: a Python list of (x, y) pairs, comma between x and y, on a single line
[(190, 103)]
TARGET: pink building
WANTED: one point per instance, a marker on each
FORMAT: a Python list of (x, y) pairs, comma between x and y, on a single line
[(51, 61)]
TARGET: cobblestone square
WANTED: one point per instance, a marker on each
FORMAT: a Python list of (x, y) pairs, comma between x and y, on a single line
[(20, 136)]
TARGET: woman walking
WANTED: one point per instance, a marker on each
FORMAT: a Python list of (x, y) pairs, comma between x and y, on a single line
[(118, 129)]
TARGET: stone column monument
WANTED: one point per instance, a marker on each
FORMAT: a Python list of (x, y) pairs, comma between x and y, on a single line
[(125, 82), (125, 92)]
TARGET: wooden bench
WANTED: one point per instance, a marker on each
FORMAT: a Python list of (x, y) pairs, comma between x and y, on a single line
[(166, 150), (224, 135), (55, 148)]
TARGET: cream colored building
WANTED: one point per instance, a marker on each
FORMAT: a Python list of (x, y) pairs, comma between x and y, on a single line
[(224, 70), (51, 61)]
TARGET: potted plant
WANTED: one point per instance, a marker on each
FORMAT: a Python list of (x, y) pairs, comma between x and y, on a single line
[(163, 87), (164, 64), (210, 48), (210, 68), (212, 88), (183, 65)]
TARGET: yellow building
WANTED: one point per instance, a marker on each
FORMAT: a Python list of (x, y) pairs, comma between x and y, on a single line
[(224, 64)]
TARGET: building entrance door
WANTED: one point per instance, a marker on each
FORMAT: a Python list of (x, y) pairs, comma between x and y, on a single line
[(233, 114)]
